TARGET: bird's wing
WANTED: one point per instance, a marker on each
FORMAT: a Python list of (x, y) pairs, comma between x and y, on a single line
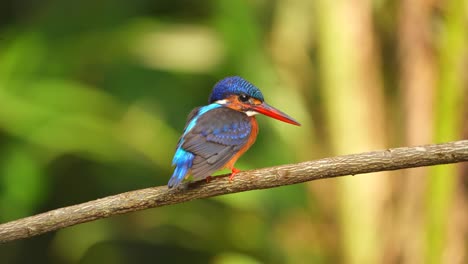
[(183, 159), (217, 136)]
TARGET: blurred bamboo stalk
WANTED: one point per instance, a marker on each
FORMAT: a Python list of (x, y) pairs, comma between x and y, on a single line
[(445, 242), (417, 84), (353, 94)]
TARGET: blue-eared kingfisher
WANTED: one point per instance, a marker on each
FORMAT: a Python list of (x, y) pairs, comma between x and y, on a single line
[(217, 134)]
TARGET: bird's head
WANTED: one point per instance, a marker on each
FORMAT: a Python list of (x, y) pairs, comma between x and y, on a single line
[(240, 95)]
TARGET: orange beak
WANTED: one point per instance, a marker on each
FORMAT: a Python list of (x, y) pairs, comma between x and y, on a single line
[(270, 111)]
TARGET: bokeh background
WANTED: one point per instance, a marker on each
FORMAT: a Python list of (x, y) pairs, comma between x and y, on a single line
[(94, 94)]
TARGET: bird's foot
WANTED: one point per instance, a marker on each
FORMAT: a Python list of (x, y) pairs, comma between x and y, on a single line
[(208, 179), (234, 171)]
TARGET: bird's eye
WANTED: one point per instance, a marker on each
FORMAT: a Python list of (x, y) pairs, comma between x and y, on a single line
[(244, 98)]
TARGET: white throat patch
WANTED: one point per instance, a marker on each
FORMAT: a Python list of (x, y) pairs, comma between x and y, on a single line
[(251, 113)]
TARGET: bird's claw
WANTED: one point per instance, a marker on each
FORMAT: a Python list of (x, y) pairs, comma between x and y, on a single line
[(234, 171)]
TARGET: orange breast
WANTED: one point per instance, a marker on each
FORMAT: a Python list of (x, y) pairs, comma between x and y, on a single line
[(250, 141)]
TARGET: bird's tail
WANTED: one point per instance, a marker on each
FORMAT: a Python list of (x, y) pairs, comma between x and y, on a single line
[(183, 162)]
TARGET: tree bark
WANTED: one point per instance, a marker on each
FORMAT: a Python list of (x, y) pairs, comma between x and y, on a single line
[(390, 159)]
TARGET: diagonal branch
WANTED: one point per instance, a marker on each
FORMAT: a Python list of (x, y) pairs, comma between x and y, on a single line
[(390, 159)]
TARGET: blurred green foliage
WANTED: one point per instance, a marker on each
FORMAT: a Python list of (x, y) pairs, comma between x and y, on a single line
[(93, 98), (94, 95)]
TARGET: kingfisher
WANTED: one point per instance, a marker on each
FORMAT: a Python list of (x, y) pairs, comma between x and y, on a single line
[(217, 134)]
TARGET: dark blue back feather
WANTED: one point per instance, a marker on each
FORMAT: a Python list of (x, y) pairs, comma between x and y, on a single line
[(216, 139), (183, 159), (210, 140)]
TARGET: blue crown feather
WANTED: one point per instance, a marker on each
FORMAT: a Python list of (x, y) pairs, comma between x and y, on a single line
[(234, 85)]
